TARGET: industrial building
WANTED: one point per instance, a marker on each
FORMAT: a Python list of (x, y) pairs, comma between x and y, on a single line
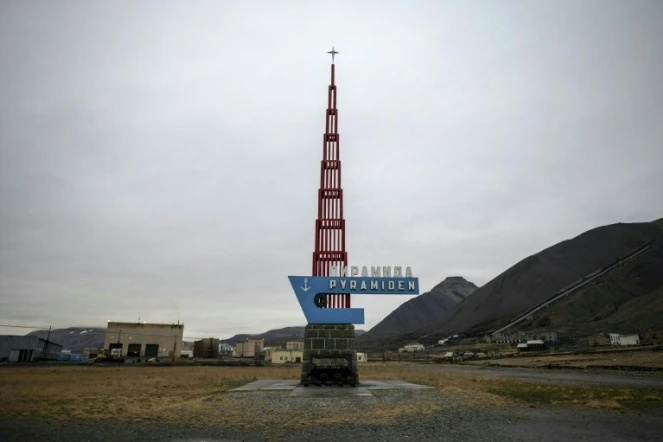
[(206, 348), (249, 348), (27, 348), (533, 345), (143, 340), (520, 336)]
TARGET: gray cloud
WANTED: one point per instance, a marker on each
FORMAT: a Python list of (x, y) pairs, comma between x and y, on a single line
[(161, 161)]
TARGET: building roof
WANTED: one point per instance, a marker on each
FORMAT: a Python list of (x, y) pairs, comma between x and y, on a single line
[(143, 324)]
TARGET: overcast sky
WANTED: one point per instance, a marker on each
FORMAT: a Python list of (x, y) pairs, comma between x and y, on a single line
[(161, 159)]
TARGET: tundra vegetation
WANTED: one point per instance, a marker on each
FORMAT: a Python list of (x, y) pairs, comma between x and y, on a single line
[(181, 393)]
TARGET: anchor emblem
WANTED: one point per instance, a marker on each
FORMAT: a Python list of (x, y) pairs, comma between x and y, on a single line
[(306, 288)]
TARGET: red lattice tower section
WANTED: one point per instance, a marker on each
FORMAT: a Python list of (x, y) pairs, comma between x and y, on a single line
[(330, 225)]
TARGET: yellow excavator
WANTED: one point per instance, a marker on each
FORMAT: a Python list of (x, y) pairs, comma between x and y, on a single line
[(115, 355)]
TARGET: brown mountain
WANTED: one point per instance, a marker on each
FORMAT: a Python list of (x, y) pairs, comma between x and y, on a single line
[(278, 336), (537, 277), (422, 311)]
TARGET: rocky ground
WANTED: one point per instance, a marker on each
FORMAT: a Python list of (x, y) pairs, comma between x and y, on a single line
[(390, 415)]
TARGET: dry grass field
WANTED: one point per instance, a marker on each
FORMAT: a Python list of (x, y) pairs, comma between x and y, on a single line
[(626, 358), (140, 392), (178, 394)]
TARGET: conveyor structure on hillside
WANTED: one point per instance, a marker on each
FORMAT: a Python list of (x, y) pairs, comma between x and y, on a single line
[(576, 285)]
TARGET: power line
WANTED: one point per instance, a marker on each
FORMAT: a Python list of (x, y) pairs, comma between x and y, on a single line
[(26, 326), (105, 332)]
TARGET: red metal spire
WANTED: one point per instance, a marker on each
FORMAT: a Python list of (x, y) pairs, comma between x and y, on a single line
[(330, 225)]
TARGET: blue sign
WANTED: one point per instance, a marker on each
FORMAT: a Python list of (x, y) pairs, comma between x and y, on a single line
[(307, 289)]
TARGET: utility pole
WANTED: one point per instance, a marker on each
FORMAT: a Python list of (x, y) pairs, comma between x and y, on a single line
[(44, 351)]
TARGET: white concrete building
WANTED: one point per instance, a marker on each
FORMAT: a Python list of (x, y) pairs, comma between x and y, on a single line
[(624, 340), (411, 347), (294, 345), (614, 338), (629, 340), (249, 348), (226, 349), (284, 356)]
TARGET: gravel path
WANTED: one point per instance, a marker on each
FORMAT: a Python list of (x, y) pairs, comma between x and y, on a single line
[(627, 379), (394, 415)]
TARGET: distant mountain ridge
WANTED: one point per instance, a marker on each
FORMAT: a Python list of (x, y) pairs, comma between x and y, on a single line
[(75, 339), (538, 276), (278, 336), (78, 339), (422, 311)]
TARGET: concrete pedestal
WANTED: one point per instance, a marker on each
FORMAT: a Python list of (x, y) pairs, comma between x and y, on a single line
[(330, 357)]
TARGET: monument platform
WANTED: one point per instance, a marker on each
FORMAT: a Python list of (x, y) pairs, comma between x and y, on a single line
[(329, 355), (364, 388)]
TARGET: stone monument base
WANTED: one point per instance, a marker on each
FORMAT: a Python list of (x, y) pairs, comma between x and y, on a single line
[(330, 357)]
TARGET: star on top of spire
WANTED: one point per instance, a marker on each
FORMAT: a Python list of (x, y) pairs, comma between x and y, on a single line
[(333, 52)]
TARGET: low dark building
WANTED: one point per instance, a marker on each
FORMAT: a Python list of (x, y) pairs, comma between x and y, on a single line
[(206, 348), (599, 340), (536, 345), (652, 337), (469, 341)]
